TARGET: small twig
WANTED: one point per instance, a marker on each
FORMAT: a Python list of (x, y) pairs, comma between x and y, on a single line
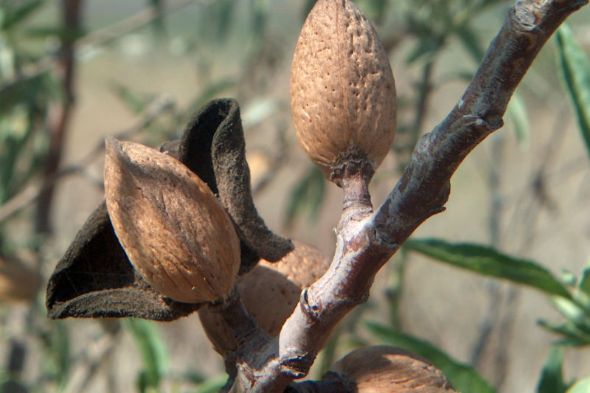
[(30, 194)]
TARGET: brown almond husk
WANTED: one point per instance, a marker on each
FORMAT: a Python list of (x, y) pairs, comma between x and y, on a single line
[(342, 89), (174, 231), (270, 293), (18, 282), (385, 369)]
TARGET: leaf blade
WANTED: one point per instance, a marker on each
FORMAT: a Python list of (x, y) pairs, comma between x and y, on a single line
[(551, 380), (489, 262), (153, 352), (575, 71)]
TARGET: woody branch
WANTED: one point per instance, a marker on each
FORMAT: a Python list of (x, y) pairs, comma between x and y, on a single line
[(365, 245)]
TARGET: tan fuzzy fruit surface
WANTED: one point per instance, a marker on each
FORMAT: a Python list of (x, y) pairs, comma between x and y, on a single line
[(342, 88), (269, 292), (384, 369), (173, 229)]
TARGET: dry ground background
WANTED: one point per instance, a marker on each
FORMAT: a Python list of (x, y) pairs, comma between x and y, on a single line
[(444, 305)]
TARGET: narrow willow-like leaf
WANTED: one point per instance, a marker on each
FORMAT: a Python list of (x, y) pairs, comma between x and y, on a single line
[(489, 262), (575, 313), (21, 91), (571, 335), (18, 12), (153, 352), (517, 112), (463, 377), (58, 353), (575, 69), (551, 380), (585, 281)]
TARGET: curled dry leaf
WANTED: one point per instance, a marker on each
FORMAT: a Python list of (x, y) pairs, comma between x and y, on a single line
[(342, 89), (232, 177), (173, 229), (384, 369), (269, 292)]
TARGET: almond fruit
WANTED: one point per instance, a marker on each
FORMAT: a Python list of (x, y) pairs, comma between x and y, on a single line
[(269, 292), (342, 89), (384, 369), (174, 231)]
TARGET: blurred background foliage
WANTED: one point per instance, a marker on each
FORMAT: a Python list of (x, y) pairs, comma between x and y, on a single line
[(73, 71)]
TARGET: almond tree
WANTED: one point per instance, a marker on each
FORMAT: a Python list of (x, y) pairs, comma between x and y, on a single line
[(166, 242)]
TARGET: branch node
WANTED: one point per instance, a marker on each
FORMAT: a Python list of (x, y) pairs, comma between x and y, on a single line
[(295, 365), (312, 311), (480, 123)]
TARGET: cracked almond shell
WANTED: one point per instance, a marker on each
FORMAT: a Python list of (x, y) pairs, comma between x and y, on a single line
[(174, 231), (342, 88), (270, 293), (385, 369)]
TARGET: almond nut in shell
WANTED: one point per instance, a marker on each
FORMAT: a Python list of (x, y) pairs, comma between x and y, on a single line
[(342, 89), (174, 231), (270, 293), (384, 369)]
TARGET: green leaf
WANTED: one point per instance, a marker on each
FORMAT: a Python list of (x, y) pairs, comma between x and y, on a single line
[(582, 386), (463, 377), (575, 69), (307, 196), (153, 352), (489, 262), (470, 41), (426, 47), (584, 284), (552, 376), (518, 115), (572, 336), (223, 15), (575, 313), (22, 91), (58, 353), (14, 15)]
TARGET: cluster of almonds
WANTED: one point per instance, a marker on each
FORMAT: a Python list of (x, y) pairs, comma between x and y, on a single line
[(181, 240)]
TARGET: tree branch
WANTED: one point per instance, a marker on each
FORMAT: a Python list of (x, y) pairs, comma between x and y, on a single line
[(61, 115), (364, 245)]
